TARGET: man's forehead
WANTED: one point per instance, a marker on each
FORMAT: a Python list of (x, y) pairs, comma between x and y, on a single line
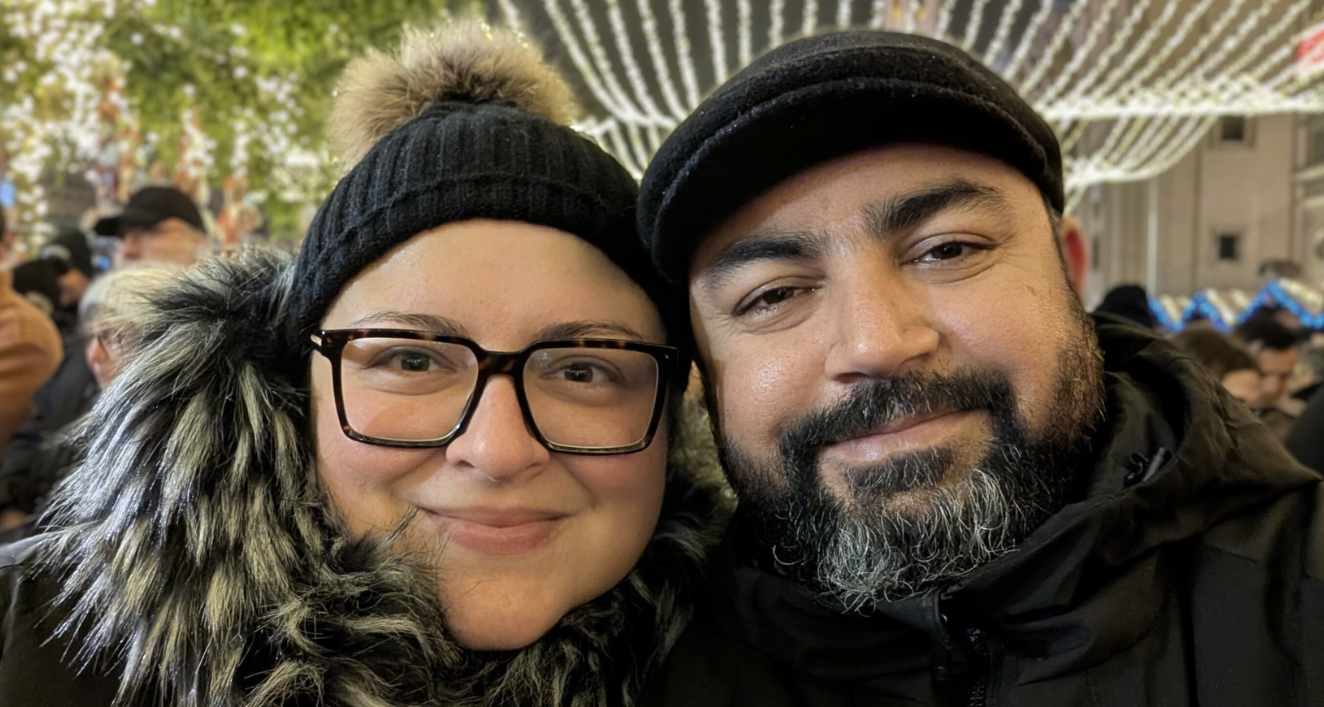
[(850, 185)]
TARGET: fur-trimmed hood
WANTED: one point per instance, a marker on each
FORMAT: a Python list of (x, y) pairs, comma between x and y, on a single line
[(197, 555)]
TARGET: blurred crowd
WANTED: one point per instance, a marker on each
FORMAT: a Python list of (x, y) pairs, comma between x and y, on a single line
[(62, 316), (1270, 362)]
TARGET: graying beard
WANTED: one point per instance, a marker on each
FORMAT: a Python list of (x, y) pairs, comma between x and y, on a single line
[(865, 556)]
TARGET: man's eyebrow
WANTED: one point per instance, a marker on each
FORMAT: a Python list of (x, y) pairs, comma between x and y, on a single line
[(430, 323), (905, 211), (760, 246)]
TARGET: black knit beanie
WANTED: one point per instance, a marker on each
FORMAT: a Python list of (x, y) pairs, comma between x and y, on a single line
[(463, 124), (818, 98)]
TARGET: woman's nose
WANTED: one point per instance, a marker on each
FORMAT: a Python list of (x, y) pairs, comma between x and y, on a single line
[(497, 442)]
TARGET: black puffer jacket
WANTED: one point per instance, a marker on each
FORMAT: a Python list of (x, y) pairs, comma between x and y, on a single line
[(1196, 579), (195, 561)]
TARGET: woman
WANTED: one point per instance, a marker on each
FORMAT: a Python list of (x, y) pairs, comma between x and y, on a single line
[(426, 465)]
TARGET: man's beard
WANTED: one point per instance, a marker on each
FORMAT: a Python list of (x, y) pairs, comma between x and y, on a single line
[(871, 546)]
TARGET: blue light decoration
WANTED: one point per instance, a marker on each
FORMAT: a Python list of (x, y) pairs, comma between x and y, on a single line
[(1222, 310)]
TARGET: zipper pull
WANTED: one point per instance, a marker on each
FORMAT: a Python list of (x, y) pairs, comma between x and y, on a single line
[(949, 660), (1142, 467)]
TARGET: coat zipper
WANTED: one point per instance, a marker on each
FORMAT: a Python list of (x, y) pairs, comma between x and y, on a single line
[(979, 690)]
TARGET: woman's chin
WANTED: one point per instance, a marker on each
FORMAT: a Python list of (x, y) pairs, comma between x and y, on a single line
[(499, 628)]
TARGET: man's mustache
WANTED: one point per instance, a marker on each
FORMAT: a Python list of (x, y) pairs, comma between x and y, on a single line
[(877, 402)]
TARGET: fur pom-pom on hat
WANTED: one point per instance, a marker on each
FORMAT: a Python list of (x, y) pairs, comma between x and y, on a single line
[(466, 122), (466, 61)]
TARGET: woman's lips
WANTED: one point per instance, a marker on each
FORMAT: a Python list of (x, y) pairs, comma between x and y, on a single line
[(496, 532)]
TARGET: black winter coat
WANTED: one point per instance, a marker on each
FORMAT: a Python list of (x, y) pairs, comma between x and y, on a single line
[(1189, 577)]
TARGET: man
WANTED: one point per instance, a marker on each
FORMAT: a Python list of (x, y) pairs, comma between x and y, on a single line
[(159, 224), (955, 487), (1276, 350)]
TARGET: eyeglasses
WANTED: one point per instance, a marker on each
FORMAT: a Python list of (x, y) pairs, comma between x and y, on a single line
[(402, 388)]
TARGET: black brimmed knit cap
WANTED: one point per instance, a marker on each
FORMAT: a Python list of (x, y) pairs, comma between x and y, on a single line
[(478, 141), (823, 97)]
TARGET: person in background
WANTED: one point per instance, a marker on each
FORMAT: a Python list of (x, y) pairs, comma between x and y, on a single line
[(38, 282), (1130, 302), (1228, 362), (159, 224), (73, 257), (1276, 350), (42, 451), (30, 351), (1310, 372)]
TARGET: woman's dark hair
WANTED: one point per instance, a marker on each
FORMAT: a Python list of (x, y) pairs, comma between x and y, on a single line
[(1219, 354)]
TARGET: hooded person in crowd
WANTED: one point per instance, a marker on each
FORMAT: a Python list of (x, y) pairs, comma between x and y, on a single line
[(427, 464), (955, 487), (1129, 302)]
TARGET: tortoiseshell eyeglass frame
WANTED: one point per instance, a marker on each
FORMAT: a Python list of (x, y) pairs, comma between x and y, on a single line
[(331, 344)]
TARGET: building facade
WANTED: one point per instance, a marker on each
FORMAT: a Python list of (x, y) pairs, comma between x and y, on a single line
[(1247, 200)]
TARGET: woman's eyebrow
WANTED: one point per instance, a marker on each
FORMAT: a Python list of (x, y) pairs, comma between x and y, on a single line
[(589, 329), (430, 323)]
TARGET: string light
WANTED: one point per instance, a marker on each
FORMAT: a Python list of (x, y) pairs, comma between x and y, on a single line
[(1055, 45), (777, 25), (809, 22), (716, 39), (973, 24), (661, 69), (1151, 97), (878, 14), (1116, 44), (1027, 39), (911, 18), (1226, 309), (744, 22), (1000, 34)]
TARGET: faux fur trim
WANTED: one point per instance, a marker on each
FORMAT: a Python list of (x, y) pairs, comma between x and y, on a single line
[(464, 61), (196, 552)]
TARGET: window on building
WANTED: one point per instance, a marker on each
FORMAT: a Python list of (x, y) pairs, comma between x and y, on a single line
[(1094, 253), (1232, 128), (1229, 247), (1315, 140), (1314, 187)]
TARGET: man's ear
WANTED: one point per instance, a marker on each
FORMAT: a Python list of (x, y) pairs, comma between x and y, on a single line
[(1075, 252)]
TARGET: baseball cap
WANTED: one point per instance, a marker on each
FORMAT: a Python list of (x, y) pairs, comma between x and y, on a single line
[(150, 206), (823, 97), (71, 249)]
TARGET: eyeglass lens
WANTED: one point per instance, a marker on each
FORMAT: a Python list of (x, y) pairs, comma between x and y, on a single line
[(405, 390)]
